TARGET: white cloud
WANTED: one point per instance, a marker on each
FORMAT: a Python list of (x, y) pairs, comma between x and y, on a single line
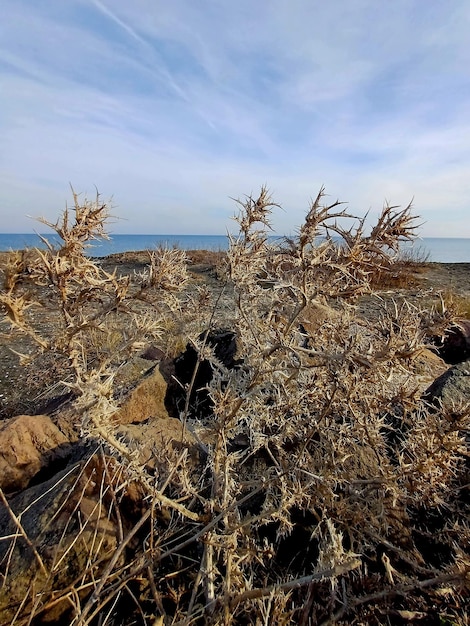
[(175, 107)]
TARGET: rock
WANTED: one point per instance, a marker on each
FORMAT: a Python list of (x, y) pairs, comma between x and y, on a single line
[(454, 346), (316, 314), (145, 401), (75, 522), (28, 444), (152, 353), (155, 438), (451, 388), (427, 366), (130, 373), (225, 348), (143, 391)]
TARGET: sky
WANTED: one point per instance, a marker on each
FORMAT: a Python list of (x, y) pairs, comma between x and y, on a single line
[(173, 109)]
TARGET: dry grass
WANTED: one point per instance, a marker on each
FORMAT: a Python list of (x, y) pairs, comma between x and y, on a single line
[(320, 489), (454, 304), (211, 258), (409, 269)]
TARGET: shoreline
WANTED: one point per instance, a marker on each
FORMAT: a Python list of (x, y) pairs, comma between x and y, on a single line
[(426, 249), (437, 275)]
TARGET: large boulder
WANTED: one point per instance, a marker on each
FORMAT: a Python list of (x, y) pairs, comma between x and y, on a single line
[(28, 444)]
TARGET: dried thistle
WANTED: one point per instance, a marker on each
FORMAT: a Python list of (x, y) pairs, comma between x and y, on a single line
[(318, 472)]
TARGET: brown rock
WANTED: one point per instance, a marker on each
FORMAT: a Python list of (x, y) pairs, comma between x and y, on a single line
[(316, 314), (145, 401), (427, 367), (27, 444), (157, 438)]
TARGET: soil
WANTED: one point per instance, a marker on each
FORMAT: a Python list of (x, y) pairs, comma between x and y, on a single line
[(445, 277), (29, 389)]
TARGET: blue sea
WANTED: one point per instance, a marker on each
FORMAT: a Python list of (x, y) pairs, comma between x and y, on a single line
[(439, 250)]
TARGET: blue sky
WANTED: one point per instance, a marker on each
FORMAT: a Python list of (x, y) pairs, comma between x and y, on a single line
[(173, 108)]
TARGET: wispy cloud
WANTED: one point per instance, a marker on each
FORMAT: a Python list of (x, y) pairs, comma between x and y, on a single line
[(174, 109)]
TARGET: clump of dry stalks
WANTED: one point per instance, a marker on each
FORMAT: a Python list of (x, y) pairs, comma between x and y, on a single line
[(322, 486), (100, 318)]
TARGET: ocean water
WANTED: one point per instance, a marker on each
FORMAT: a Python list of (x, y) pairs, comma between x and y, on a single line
[(442, 250), (120, 243), (439, 250)]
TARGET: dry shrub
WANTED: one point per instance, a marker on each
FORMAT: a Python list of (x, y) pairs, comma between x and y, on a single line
[(409, 268), (454, 305), (98, 321), (314, 411), (213, 258), (322, 487)]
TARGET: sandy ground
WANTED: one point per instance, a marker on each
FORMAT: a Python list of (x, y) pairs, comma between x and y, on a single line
[(24, 389), (448, 277)]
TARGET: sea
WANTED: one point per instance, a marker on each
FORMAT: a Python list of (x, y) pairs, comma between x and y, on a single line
[(438, 250)]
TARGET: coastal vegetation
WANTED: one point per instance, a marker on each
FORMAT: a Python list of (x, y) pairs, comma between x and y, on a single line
[(308, 478)]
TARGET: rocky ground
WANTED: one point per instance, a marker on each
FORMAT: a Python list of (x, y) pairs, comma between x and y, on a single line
[(42, 464), (29, 389)]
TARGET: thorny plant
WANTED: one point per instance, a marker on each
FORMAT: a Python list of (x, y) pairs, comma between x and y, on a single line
[(100, 317), (322, 487)]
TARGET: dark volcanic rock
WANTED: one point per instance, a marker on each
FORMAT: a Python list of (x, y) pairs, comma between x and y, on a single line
[(455, 345), (225, 348), (73, 528)]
